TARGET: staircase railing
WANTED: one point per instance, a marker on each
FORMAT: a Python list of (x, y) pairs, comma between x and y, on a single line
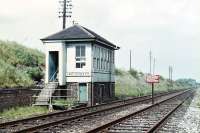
[(51, 79), (45, 94)]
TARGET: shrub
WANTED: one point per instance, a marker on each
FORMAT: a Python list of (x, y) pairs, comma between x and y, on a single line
[(162, 78), (35, 73), (119, 72), (141, 74), (12, 77), (134, 73)]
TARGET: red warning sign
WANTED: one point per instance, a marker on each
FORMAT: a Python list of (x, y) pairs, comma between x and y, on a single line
[(152, 78)]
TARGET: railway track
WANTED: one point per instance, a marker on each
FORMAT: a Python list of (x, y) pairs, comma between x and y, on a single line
[(147, 120), (44, 121)]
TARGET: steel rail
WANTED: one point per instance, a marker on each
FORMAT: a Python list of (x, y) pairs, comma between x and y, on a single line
[(105, 126), (75, 117), (164, 119), (33, 128), (42, 126), (79, 109)]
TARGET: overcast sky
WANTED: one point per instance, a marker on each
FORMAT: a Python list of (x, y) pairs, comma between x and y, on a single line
[(170, 28)]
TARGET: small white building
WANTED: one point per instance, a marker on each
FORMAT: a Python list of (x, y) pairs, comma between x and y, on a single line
[(80, 59)]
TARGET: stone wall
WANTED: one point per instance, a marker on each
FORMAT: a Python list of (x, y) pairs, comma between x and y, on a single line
[(15, 97)]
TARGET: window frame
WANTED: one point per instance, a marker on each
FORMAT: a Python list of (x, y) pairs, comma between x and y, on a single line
[(80, 58)]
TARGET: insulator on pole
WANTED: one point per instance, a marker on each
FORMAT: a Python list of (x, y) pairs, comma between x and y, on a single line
[(66, 10)]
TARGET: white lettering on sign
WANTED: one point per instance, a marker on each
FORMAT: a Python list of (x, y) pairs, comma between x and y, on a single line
[(77, 74), (152, 78)]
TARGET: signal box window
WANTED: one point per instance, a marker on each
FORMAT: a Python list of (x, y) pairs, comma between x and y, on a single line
[(80, 57)]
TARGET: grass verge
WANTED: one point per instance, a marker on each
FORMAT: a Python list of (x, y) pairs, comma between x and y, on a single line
[(64, 102), (22, 112)]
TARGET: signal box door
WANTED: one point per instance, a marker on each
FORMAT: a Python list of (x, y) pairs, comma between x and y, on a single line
[(83, 93)]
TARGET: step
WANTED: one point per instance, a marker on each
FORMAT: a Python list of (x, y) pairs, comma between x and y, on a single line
[(44, 95)]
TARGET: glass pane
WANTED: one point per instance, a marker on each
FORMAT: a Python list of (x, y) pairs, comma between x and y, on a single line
[(78, 51), (83, 51), (82, 64), (98, 53), (78, 59), (82, 59), (78, 65), (97, 63)]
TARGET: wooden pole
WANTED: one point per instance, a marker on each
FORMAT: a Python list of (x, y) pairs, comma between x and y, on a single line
[(130, 60), (152, 93), (64, 15), (150, 57)]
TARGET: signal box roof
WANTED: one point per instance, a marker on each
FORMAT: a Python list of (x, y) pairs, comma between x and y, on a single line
[(77, 33)]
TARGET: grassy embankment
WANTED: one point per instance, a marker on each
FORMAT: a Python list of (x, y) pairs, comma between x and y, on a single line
[(19, 66), (132, 83)]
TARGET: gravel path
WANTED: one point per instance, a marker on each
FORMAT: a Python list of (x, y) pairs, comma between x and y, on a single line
[(191, 120), (186, 119)]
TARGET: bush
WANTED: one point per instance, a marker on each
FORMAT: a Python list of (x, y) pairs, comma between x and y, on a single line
[(12, 77), (134, 73), (119, 72), (141, 74), (161, 78), (35, 73)]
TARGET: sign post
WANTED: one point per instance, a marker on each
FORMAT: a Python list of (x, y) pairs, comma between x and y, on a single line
[(152, 93), (152, 79)]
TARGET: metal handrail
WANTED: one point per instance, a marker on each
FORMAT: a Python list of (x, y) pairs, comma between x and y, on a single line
[(53, 74), (51, 88), (46, 96)]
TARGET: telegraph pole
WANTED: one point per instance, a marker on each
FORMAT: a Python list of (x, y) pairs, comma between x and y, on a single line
[(150, 56), (150, 72), (169, 73), (170, 76), (154, 65), (64, 14), (66, 11), (130, 60)]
